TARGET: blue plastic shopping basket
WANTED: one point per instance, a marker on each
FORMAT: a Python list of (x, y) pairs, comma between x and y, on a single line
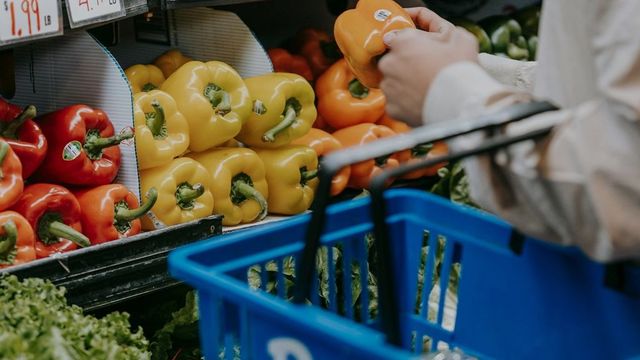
[(517, 298)]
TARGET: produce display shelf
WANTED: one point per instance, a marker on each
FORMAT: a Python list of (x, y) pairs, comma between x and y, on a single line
[(104, 275)]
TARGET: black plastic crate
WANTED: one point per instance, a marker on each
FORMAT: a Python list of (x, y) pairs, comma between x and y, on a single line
[(104, 275)]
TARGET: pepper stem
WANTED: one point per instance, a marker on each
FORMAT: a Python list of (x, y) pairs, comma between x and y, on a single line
[(421, 150), (62, 230), (186, 195), (94, 144), (220, 100), (4, 149), (306, 175), (243, 188), (8, 241), (156, 121), (290, 117), (11, 128), (125, 214), (382, 160), (358, 90), (148, 87)]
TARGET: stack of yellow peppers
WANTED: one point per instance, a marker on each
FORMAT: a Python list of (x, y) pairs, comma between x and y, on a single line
[(213, 143)]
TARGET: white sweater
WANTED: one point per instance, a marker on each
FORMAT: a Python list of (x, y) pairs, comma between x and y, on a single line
[(581, 185)]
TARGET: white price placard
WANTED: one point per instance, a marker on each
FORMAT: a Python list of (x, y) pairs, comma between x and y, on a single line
[(83, 12), (21, 20)]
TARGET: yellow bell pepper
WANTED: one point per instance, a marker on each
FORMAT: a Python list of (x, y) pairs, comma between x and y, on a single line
[(162, 133), (184, 192), (144, 78), (171, 61), (214, 100), (232, 143), (283, 110), (292, 177), (239, 185)]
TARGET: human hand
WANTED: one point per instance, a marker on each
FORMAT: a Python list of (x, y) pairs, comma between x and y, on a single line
[(415, 58)]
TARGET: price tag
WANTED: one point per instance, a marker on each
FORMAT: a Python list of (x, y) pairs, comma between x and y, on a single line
[(83, 12), (22, 20)]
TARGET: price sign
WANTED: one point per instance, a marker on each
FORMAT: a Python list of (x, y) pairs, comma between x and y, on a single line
[(21, 20), (83, 12)]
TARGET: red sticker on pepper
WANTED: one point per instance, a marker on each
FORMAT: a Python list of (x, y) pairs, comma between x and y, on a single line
[(72, 150), (127, 135)]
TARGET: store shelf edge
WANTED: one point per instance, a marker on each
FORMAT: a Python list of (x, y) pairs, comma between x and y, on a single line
[(181, 4)]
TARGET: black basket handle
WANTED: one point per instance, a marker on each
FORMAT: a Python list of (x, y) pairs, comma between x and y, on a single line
[(388, 307), (333, 162)]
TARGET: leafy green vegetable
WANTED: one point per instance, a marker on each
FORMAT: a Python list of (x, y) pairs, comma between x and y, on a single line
[(182, 328), (453, 184), (37, 323)]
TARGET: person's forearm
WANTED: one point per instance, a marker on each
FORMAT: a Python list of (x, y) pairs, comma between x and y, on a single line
[(520, 74), (564, 189)]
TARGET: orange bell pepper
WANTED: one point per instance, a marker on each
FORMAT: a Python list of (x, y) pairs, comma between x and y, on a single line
[(171, 61), (285, 62), (359, 33), (11, 182), (417, 153), (17, 242), (343, 101), (362, 173), (393, 124), (318, 48), (323, 143)]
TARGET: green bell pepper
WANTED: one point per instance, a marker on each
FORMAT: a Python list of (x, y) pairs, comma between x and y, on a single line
[(506, 37), (483, 39)]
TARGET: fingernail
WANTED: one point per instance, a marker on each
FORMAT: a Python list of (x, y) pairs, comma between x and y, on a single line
[(388, 37)]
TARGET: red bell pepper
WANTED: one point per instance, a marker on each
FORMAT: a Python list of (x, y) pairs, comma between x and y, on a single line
[(284, 61), (11, 183), (17, 240), (111, 212), (54, 213), (318, 48), (83, 148), (23, 135)]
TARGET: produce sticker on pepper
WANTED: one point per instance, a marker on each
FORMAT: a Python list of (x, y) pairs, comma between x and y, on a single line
[(71, 151), (382, 15), (22, 20)]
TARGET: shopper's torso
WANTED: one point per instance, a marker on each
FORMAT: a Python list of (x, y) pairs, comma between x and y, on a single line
[(566, 68)]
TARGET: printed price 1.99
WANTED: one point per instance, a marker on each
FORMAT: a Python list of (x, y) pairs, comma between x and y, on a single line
[(27, 18)]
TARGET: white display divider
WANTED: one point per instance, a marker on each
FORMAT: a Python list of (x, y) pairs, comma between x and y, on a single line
[(203, 34)]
